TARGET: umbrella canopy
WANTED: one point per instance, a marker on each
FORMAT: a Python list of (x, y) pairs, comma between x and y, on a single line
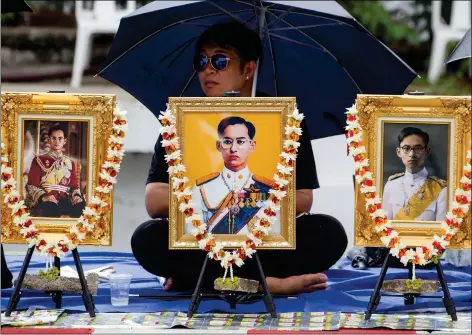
[(15, 6), (312, 50), (462, 49)]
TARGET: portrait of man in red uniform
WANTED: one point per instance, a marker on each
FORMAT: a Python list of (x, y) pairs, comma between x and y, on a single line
[(52, 189)]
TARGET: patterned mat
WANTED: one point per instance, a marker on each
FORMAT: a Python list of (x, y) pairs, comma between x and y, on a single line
[(302, 321)]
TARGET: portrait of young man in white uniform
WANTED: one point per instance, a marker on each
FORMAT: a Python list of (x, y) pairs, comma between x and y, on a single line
[(230, 200)]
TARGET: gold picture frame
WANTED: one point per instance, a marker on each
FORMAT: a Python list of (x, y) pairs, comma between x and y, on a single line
[(381, 116), (197, 120), (86, 120)]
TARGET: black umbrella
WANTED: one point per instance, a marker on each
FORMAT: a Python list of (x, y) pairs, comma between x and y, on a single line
[(313, 50), (15, 6), (462, 49)]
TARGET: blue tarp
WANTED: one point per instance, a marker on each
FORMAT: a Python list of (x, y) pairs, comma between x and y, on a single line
[(349, 290)]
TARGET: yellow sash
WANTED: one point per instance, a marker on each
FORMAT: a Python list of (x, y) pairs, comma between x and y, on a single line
[(417, 204)]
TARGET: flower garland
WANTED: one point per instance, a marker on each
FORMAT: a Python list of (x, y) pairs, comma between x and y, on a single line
[(99, 202), (262, 224), (422, 255)]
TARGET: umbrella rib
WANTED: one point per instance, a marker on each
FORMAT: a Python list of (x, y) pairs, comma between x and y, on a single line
[(188, 83), (225, 11), (162, 29), (273, 66), (324, 49), (308, 26), (293, 41), (183, 45), (313, 15), (280, 17)]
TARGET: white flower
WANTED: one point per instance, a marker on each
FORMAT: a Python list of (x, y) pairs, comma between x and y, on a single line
[(351, 110), (357, 151), (173, 156), (467, 167), (120, 113), (215, 250), (373, 201), (421, 256), (465, 180), (410, 254), (119, 127), (7, 170), (452, 217), (186, 192), (198, 230), (271, 205), (168, 114), (286, 170), (397, 247), (469, 154), (352, 126), (238, 261), (288, 144), (361, 164), (174, 141), (168, 129), (102, 189), (193, 217), (379, 213), (12, 195), (4, 159), (365, 176), (463, 207), (386, 239), (112, 153), (441, 241), (296, 115), (177, 181), (288, 157), (111, 165), (278, 194), (174, 169), (368, 189), (184, 206), (280, 181), (292, 130), (355, 138), (107, 177), (249, 251), (116, 139), (10, 182), (254, 239)]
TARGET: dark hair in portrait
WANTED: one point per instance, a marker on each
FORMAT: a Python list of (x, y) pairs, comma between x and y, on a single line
[(436, 140), (234, 120), (57, 127), (232, 35)]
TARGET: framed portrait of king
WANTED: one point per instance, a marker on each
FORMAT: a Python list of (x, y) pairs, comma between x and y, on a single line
[(416, 148), (230, 148), (56, 143)]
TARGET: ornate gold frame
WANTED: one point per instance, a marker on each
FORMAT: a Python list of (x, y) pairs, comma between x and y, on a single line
[(284, 106), (371, 109), (97, 110)]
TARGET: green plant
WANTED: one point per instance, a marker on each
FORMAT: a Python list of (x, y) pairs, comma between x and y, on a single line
[(380, 22), (414, 284), (50, 274), (228, 283)]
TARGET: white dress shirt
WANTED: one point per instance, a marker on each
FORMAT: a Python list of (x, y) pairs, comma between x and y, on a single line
[(398, 191)]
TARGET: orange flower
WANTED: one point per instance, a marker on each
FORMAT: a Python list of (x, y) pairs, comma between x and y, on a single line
[(458, 212), (370, 195), (196, 223)]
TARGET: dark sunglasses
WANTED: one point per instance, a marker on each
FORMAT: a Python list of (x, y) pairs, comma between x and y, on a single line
[(218, 61)]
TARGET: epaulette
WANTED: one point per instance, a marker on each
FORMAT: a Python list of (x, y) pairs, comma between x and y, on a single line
[(440, 181), (207, 178), (265, 181), (396, 175)]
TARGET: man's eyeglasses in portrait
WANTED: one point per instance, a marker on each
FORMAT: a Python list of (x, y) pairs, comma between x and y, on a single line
[(227, 143), (417, 149)]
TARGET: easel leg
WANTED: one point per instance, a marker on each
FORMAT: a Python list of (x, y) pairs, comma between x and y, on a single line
[(375, 298), (408, 298), (447, 299), (15, 297), (86, 295), (195, 301), (269, 302), (57, 295)]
